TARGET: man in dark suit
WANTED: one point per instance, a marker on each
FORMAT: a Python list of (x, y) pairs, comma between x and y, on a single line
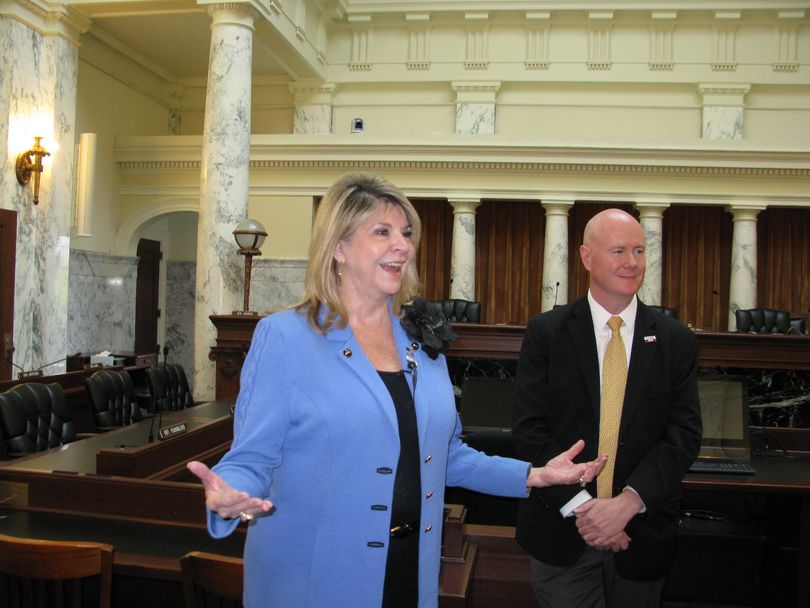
[(611, 542)]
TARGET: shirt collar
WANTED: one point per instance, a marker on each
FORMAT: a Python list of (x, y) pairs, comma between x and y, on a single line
[(600, 316)]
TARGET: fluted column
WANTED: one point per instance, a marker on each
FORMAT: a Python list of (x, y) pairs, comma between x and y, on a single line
[(651, 217), (462, 260), (743, 287), (555, 253), (224, 180)]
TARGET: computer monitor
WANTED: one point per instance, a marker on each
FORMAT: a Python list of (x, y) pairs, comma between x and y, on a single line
[(724, 410), (486, 403)]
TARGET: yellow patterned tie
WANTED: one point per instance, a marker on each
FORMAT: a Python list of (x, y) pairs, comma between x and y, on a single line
[(614, 379)]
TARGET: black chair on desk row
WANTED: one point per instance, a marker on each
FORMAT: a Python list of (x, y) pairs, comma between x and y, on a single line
[(112, 396), (54, 573), (35, 417), (762, 321), (168, 387), (212, 580), (459, 311)]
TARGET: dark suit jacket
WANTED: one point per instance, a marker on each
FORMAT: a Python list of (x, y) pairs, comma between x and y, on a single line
[(557, 402)]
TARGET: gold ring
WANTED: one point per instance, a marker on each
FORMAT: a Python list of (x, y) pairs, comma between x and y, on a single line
[(582, 483), (246, 517)]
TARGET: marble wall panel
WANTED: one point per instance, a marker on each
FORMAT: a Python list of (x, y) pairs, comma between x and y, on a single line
[(722, 122), (276, 283), (180, 291), (475, 118), (101, 302)]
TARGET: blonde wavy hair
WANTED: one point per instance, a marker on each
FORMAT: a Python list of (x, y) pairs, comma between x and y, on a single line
[(346, 205)]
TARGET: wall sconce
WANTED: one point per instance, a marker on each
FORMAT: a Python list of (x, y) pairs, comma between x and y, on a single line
[(249, 235), (26, 165)]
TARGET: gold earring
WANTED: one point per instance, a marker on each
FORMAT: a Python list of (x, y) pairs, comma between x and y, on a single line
[(340, 274)]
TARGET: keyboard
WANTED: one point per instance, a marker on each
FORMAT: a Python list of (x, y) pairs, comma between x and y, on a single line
[(721, 467)]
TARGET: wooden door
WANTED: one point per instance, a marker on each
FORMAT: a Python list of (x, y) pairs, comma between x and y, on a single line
[(147, 312), (8, 256)]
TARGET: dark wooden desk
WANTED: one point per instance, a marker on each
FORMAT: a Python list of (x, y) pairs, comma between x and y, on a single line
[(724, 349)]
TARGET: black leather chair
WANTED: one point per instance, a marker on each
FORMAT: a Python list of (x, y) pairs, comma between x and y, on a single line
[(168, 387), (666, 310), (762, 321), (798, 325), (112, 396), (35, 417), (459, 311)]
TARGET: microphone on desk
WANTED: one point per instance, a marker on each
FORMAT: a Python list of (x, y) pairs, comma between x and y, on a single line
[(158, 413), (556, 291), (165, 353), (22, 373), (65, 358)]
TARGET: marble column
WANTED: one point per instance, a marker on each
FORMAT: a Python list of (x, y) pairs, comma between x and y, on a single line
[(555, 253), (38, 97), (651, 217), (462, 259), (224, 181), (313, 107), (475, 107), (743, 285)]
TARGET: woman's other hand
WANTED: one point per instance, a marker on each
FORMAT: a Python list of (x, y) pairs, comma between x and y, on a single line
[(562, 470), (222, 499)]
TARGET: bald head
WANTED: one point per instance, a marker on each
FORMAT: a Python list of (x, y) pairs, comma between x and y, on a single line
[(613, 252)]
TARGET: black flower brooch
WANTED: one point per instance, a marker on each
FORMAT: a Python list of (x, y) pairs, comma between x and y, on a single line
[(426, 323)]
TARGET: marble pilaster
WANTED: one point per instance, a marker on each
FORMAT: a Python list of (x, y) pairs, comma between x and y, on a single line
[(313, 107), (555, 253), (180, 291), (224, 180), (462, 259), (38, 97), (651, 217), (743, 283), (475, 107), (723, 110)]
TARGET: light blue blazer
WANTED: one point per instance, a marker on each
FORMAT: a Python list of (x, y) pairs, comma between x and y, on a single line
[(316, 433)]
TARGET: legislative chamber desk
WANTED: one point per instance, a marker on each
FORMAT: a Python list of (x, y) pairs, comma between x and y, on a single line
[(137, 495)]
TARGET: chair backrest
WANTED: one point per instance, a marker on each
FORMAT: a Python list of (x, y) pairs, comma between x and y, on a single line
[(112, 396), (798, 325), (212, 580), (54, 573), (168, 387), (458, 311), (762, 320), (35, 417)]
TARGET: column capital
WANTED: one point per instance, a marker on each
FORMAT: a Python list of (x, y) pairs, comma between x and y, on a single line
[(49, 19), (313, 91), (557, 205), (482, 91), (652, 209), (464, 205), (745, 212), (233, 13)]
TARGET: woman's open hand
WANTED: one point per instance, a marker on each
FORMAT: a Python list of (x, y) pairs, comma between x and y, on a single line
[(562, 470), (225, 501)]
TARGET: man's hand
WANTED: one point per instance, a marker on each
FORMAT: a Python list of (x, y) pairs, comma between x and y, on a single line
[(601, 521), (562, 470)]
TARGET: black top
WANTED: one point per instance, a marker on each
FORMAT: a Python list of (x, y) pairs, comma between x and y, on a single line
[(401, 588), (406, 505)]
